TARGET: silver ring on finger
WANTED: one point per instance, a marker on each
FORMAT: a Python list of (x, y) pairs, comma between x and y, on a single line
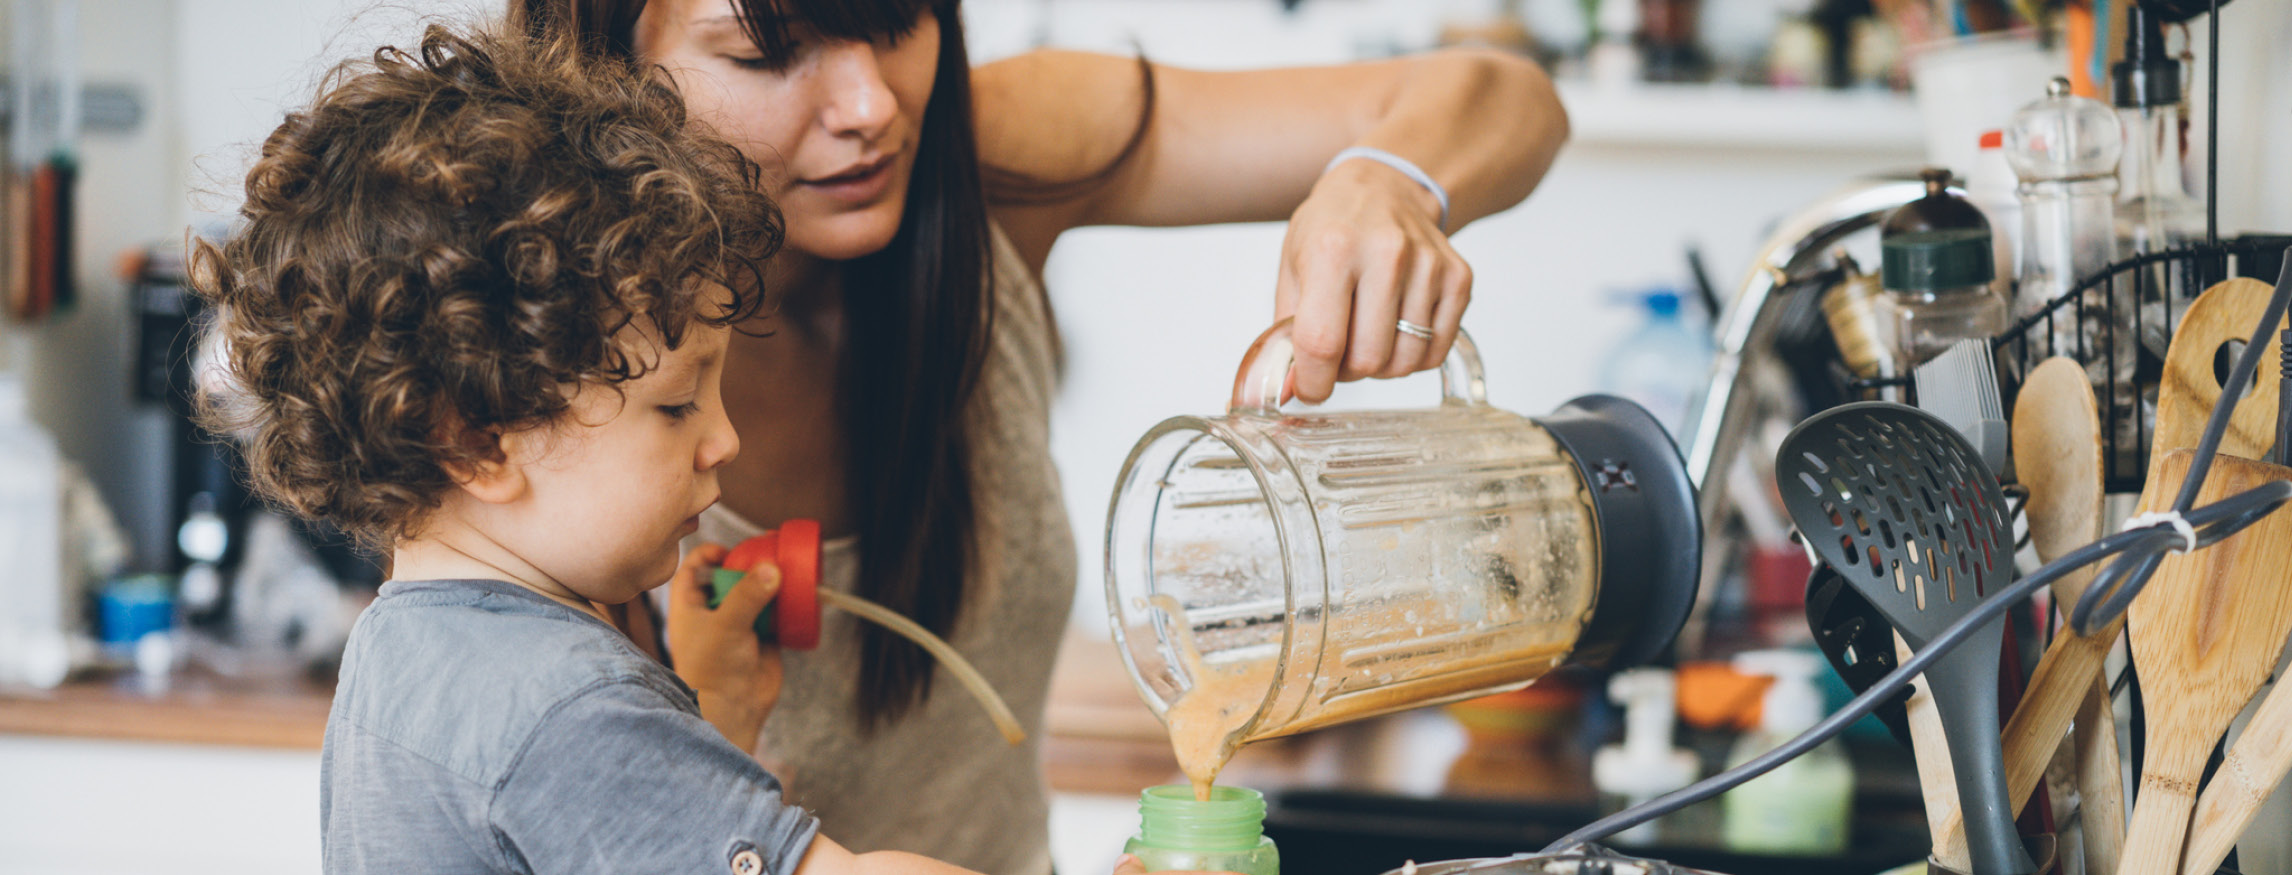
[(1414, 330)]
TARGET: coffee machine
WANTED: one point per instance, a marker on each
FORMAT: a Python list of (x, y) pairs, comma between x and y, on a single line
[(209, 508)]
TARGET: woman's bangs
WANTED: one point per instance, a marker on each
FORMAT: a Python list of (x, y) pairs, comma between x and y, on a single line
[(769, 23)]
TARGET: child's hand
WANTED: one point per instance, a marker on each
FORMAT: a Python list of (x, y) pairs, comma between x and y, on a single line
[(717, 652)]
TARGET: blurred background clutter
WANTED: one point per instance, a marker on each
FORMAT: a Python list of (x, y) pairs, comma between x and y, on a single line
[(166, 644)]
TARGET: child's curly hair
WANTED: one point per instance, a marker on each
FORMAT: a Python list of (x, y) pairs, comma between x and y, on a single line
[(443, 244)]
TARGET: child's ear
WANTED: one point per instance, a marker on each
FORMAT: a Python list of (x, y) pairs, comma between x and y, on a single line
[(498, 476)]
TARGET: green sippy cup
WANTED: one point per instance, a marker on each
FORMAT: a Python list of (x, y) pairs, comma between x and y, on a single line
[(1224, 834)]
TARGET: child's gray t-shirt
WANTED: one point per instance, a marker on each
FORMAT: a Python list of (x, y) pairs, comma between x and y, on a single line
[(481, 727)]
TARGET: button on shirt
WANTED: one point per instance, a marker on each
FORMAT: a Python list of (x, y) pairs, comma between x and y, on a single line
[(480, 727)]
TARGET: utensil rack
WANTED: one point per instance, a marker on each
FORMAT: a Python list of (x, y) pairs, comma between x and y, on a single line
[(2191, 270), (2095, 301)]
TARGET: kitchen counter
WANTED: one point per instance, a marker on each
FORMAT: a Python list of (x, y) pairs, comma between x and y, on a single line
[(1100, 737), (198, 707), (191, 763)]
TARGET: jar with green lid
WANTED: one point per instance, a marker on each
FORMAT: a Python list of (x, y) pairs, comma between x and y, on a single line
[(1936, 265), (1224, 834)]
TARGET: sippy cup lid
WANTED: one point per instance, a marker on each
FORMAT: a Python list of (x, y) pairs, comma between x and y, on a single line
[(794, 616)]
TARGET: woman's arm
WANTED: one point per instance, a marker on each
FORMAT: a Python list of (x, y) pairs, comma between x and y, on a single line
[(1365, 246)]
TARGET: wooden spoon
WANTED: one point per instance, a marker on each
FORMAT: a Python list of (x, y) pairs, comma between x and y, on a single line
[(2057, 452), (2205, 633), (2100, 780), (2185, 399)]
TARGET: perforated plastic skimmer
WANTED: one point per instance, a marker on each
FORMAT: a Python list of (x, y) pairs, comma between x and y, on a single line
[(1901, 506)]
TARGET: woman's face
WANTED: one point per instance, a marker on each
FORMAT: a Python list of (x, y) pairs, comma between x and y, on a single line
[(835, 128)]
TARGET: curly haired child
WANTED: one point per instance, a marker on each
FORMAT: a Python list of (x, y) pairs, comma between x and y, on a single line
[(477, 313)]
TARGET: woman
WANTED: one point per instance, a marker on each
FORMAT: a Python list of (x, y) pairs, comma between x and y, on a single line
[(902, 397)]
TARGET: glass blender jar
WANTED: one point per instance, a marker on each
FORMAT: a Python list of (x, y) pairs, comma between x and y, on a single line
[(1297, 570)]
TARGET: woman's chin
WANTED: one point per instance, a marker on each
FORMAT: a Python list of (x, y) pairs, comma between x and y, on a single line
[(844, 235)]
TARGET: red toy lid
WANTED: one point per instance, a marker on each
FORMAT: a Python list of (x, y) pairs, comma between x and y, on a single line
[(799, 600), (795, 549), (743, 557)]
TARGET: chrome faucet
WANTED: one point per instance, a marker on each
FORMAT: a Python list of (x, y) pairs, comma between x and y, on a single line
[(1746, 329)]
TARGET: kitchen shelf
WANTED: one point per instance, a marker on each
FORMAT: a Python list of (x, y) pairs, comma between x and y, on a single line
[(1740, 117)]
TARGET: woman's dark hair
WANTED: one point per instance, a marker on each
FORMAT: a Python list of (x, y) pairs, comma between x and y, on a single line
[(442, 243), (917, 318)]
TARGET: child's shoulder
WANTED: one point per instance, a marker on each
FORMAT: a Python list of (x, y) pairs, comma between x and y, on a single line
[(461, 672)]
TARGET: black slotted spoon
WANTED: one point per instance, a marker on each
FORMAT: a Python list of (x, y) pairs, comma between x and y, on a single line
[(1902, 507)]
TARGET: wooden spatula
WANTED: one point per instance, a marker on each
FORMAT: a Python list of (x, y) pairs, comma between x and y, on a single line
[(2205, 633), (2255, 764), (1937, 784)]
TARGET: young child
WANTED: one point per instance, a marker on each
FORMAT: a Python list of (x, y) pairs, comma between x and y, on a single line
[(477, 314)]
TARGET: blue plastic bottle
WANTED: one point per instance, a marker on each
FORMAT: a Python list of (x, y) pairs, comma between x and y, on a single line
[(1662, 364)]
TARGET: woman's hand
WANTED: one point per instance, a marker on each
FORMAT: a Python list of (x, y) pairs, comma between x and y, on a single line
[(717, 653), (1364, 252)]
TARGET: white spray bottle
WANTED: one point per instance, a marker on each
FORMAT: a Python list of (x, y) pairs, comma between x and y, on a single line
[(1645, 765)]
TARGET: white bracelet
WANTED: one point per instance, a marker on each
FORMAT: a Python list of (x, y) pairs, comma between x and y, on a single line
[(2180, 526), (1407, 168)]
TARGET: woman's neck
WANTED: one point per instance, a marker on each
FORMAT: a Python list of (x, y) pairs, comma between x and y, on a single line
[(799, 284), (803, 297)]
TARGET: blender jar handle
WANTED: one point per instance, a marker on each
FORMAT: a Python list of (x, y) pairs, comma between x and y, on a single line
[(1263, 381)]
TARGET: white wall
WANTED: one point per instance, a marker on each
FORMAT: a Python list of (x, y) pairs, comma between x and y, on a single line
[(243, 63), (77, 361)]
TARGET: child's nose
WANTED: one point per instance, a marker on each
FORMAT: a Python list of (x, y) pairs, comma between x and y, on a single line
[(721, 445)]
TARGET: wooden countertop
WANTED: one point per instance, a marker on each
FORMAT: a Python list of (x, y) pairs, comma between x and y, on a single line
[(198, 707), (1101, 738)]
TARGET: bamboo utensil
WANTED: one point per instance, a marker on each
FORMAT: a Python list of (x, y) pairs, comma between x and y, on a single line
[(2195, 615), (1937, 784), (2057, 453), (2224, 313), (2205, 633), (2255, 764), (2100, 780), (2052, 459), (2261, 757)]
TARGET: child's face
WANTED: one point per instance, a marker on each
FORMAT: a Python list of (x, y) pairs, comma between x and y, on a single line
[(626, 474)]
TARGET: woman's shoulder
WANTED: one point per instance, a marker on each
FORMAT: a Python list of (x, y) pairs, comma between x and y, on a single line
[(1056, 130), (1054, 113)]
